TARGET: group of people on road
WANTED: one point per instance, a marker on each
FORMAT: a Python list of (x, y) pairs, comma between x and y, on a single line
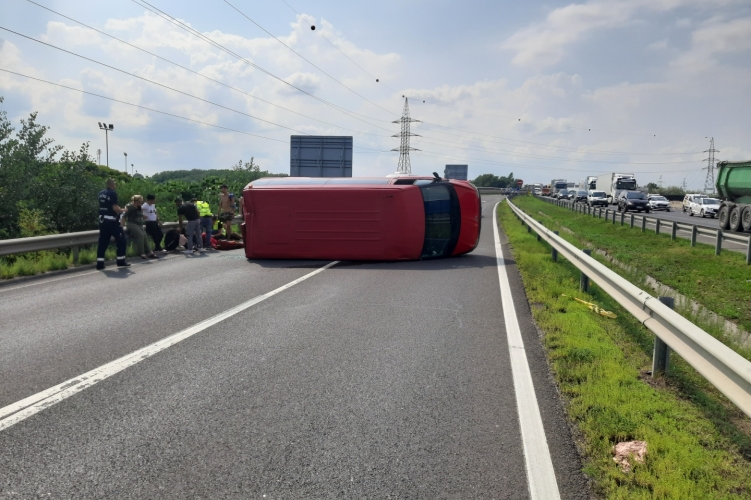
[(141, 220)]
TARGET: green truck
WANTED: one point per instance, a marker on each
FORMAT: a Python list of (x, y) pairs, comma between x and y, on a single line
[(734, 187)]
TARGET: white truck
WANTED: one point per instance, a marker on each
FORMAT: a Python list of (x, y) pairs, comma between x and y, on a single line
[(613, 183), (557, 185), (591, 183)]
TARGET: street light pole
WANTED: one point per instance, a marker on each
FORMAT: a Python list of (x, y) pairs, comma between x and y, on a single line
[(107, 129), (133, 171), (126, 162)]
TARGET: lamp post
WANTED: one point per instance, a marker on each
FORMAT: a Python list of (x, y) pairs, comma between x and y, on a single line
[(126, 162), (107, 129), (132, 170)]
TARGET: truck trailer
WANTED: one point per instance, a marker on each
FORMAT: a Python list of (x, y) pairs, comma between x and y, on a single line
[(734, 188), (590, 183), (613, 183)]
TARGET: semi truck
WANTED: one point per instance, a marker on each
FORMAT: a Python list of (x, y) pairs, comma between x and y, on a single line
[(556, 185), (546, 190), (613, 183), (734, 188), (590, 183)]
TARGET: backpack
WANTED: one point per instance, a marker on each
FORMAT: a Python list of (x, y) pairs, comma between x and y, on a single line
[(171, 239)]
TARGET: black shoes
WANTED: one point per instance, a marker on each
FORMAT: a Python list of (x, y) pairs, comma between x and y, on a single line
[(99, 266), (122, 263)]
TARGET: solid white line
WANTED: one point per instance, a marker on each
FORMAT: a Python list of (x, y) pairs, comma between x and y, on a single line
[(540, 472), (21, 410)]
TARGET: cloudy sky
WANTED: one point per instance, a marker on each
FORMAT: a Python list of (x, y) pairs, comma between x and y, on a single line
[(543, 90)]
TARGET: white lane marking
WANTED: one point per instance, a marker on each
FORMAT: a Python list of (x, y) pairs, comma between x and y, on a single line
[(21, 410), (540, 472)]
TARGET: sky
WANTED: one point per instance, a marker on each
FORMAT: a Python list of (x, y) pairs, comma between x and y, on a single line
[(552, 90)]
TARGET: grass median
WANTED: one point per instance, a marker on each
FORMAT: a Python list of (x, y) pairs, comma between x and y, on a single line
[(600, 365), (33, 263), (722, 284)]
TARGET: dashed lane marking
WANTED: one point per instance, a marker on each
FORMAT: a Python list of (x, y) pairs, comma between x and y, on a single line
[(21, 410)]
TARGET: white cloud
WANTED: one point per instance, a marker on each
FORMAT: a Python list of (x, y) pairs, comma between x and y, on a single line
[(713, 39), (659, 45)]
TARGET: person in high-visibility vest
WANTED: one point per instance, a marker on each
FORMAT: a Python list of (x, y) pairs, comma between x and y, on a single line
[(204, 210)]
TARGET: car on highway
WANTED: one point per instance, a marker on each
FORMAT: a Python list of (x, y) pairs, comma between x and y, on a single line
[(689, 198), (633, 200), (561, 194), (657, 202), (704, 207), (580, 195), (595, 198), (365, 218)]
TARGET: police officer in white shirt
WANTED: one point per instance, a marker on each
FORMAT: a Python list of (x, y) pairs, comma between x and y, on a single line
[(152, 222)]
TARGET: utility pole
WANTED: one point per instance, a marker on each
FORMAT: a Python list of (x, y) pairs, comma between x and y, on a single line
[(404, 165), (709, 181), (126, 162), (98, 156), (107, 129)]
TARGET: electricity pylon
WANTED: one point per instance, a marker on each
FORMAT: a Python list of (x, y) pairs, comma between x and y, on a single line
[(404, 166), (709, 181)]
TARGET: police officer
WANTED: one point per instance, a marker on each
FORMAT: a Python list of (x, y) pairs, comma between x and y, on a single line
[(207, 221), (109, 226)]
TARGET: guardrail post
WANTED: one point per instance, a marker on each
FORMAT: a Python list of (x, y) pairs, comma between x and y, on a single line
[(693, 235), (673, 230), (631, 222), (555, 252), (661, 352), (643, 224), (584, 279), (538, 233), (657, 226), (718, 242), (75, 254), (748, 251), (614, 218), (529, 228), (623, 215)]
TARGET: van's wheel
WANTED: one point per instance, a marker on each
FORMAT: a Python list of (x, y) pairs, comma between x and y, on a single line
[(702, 213), (746, 218), (724, 217), (735, 219)]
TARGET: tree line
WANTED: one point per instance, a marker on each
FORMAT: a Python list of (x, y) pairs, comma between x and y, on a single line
[(46, 189), (490, 180)]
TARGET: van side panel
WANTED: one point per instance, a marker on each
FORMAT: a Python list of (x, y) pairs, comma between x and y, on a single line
[(338, 223), (469, 201)]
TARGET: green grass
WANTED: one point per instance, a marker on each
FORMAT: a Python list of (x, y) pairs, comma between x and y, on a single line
[(721, 283), (33, 263), (696, 441)]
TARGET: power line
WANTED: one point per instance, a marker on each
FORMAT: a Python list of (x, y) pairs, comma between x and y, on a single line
[(153, 82), (198, 73), (340, 50), (304, 58), (142, 107), (221, 47)]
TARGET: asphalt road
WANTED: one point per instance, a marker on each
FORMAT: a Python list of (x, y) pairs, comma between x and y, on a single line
[(367, 380)]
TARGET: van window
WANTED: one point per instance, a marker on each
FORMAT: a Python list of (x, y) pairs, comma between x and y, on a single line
[(442, 219)]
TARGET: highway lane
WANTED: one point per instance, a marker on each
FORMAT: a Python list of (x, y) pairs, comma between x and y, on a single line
[(369, 380)]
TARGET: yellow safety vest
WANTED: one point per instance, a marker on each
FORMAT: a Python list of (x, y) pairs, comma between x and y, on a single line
[(204, 210)]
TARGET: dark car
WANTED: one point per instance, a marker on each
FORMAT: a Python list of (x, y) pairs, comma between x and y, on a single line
[(562, 194), (633, 200), (580, 195)]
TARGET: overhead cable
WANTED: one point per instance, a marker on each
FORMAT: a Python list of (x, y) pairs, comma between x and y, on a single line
[(304, 58), (142, 107)]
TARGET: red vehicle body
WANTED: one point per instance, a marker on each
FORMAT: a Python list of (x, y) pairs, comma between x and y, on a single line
[(368, 218)]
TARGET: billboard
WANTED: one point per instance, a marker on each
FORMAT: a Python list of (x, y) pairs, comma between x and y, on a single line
[(320, 156)]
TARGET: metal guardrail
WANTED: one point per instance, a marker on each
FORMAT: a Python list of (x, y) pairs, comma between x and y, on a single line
[(725, 369), (65, 240), (717, 234)]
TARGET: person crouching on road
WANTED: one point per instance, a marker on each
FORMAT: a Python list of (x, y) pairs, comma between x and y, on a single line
[(152, 221), (192, 216), (134, 224), (109, 226), (204, 210)]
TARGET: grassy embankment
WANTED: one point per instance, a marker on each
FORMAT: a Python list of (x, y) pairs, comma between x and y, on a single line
[(33, 263), (722, 284), (695, 445)]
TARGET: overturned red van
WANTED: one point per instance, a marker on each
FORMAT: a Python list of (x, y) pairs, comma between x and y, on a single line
[(367, 218)]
